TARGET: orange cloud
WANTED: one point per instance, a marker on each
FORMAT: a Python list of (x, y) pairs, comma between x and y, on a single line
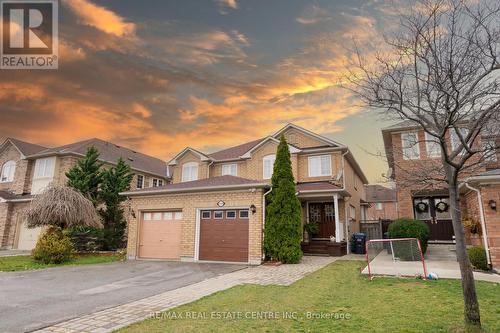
[(100, 18)]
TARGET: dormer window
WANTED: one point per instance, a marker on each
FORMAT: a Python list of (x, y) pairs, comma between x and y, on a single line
[(8, 170), (267, 166), (411, 150), (189, 171)]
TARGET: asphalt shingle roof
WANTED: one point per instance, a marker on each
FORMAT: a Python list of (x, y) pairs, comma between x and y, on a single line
[(234, 152), (212, 182), (26, 148), (110, 152), (379, 193)]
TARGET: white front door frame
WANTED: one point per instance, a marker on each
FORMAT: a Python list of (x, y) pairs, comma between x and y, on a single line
[(337, 217)]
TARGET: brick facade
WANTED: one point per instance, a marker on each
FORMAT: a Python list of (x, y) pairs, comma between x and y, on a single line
[(188, 203)]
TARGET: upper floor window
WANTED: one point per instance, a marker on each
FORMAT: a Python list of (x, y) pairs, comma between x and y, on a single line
[(140, 181), (44, 167), (8, 170), (379, 206), (455, 140), (411, 151), (230, 169), (267, 166), (432, 146), (157, 182), (320, 166), (490, 154), (190, 171)]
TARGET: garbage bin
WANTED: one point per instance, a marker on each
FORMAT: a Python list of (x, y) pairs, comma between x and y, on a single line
[(359, 241)]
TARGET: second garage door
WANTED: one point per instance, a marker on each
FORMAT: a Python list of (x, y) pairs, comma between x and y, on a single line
[(160, 235), (224, 235)]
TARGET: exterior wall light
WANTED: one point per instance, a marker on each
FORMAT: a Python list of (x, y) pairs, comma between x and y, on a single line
[(253, 209), (493, 204)]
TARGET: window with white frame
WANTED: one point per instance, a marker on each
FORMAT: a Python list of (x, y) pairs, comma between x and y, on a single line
[(178, 216), (206, 214), (267, 166), (489, 148), (218, 215), (379, 206), (44, 167), (157, 182), (320, 166), (8, 170), (140, 181), (432, 146), (230, 169), (231, 214), (243, 214), (411, 151), (189, 171), (455, 139)]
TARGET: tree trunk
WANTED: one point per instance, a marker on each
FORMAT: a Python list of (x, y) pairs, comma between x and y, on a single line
[(471, 305)]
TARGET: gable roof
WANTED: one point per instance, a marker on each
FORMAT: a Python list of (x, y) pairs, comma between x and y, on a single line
[(214, 183), (247, 154), (379, 193), (25, 148), (324, 139), (201, 155), (110, 153), (234, 152)]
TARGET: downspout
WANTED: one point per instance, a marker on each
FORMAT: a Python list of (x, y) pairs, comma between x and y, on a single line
[(264, 219), (483, 224), (208, 169), (346, 227)]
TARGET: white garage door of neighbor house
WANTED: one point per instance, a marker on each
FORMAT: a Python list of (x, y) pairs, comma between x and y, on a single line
[(27, 237), (160, 235)]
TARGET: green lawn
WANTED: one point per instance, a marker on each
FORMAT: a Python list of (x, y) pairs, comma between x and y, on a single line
[(383, 305), (25, 263)]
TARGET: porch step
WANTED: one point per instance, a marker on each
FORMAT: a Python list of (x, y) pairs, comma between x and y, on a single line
[(441, 252)]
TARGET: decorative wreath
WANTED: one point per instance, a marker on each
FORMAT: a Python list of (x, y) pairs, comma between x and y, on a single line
[(421, 207), (442, 207)]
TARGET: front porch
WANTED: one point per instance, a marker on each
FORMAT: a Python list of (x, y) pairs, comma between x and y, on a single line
[(325, 208)]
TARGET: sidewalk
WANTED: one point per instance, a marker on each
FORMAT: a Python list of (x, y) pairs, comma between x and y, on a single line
[(114, 318)]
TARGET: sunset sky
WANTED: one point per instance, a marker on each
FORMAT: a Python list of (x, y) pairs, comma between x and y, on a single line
[(157, 76)]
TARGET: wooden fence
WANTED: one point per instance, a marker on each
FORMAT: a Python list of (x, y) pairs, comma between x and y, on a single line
[(374, 229)]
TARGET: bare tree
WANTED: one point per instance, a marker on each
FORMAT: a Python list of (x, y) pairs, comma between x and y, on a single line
[(442, 75), (61, 206)]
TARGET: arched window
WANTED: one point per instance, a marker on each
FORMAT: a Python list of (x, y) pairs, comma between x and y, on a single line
[(189, 171), (267, 166), (8, 170)]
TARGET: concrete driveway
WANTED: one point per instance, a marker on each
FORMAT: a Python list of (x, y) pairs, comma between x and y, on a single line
[(35, 299)]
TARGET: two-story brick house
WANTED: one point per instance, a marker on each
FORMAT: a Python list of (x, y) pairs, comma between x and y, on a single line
[(382, 203), (26, 169), (214, 208), (411, 153)]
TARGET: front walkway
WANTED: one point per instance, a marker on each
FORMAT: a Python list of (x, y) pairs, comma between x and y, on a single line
[(114, 318)]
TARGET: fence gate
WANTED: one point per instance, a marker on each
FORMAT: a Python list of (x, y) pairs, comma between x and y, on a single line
[(372, 229)]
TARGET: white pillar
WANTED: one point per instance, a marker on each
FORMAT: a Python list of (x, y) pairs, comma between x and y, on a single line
[(338, 232)]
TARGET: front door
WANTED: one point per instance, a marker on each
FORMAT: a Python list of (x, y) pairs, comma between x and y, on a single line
[(435, 212), (323, 214)]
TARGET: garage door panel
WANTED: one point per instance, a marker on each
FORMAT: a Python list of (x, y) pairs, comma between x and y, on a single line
[(223, 239), (160, 236), (28, 237)]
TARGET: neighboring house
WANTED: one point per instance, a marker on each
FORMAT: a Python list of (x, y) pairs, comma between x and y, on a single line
[(411, 152), (28, 168), (382, 203), (214, 209)]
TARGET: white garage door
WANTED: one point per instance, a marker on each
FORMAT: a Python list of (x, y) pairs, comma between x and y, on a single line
[(160, 235), (27, 237)]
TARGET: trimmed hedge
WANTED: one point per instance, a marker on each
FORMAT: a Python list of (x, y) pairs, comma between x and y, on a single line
[(477, 257), (53, 247), (409, 228)]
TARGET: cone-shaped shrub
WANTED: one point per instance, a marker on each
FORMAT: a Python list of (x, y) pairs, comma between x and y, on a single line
[(283, 230)]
